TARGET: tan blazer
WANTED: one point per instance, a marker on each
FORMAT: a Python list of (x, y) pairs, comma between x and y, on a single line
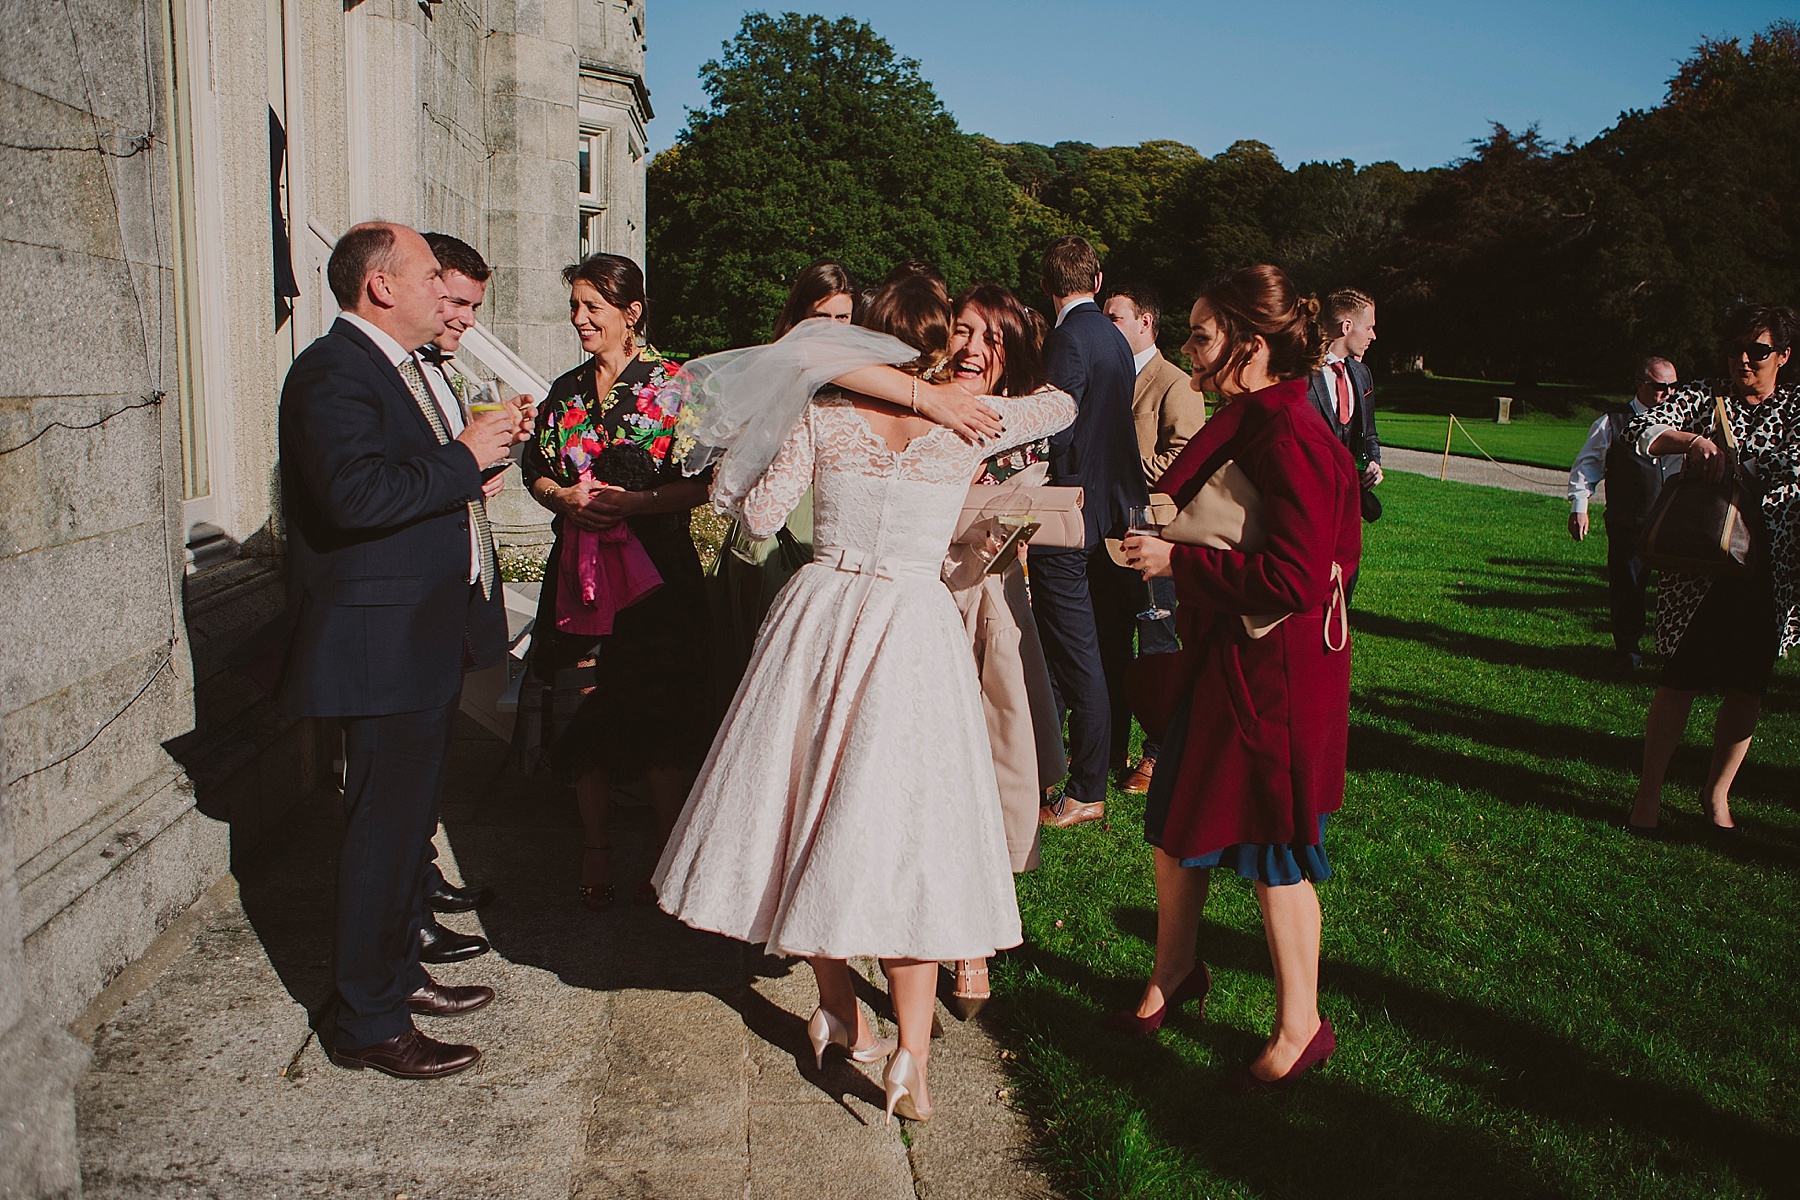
[(1166, 411)]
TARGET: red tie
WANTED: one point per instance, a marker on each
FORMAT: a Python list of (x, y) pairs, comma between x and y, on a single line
[(1343, 393)]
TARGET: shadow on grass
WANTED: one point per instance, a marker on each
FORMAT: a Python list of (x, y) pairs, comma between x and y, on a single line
[(1385, 749), (1331, 1135), (1587, 661)]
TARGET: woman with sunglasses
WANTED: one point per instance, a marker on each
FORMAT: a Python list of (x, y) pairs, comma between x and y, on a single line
[(1724, 633)]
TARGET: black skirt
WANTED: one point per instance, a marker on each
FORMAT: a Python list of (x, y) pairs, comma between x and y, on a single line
[(653, 704), (1730, 643)]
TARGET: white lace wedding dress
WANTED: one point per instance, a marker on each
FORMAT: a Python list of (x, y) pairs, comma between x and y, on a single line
[(848, 805)]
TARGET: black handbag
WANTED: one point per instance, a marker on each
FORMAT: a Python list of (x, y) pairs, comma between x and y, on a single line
[(1702, 528)]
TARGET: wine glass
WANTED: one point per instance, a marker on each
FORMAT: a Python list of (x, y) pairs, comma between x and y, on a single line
[(1143, 520)]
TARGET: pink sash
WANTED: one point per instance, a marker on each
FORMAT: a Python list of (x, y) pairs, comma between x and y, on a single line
[(600, 574)]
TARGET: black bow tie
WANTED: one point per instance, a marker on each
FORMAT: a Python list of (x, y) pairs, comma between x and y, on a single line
[(434, 354)]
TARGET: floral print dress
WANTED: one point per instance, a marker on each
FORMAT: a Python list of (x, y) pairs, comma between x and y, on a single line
[(652, 704)]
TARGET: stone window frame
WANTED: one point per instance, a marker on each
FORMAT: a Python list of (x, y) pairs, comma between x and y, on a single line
[(203, 335), (590, 234)]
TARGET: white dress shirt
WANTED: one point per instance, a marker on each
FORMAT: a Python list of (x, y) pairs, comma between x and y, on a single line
[(1142, 358), (447, 408), (1067, 308), (1328, 373), (1590, 464)]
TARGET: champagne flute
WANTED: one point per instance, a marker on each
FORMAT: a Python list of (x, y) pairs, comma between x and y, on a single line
[(486, 400), (1143, 521)]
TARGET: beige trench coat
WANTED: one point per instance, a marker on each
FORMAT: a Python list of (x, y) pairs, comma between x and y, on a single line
[(1015, 695)]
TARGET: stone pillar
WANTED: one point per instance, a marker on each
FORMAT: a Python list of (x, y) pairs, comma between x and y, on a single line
[(531, 75), (39, 1061)]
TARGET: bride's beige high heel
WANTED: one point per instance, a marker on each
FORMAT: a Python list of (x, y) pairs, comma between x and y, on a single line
[(903, 1081), (825, 1030)]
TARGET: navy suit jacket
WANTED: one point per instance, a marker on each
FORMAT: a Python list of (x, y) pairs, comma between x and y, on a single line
[(1089, 358), (380, 617), (1359, 435)]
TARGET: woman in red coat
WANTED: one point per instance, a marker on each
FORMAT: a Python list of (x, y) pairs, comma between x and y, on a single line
[(1254, 758)]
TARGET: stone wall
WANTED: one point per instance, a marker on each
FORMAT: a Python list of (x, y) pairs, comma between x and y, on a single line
[(137, 759), (614, 98), (97, 673), (531, 79)]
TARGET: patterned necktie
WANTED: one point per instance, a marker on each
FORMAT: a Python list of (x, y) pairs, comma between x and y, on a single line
[(484, 535), (1343, 392)]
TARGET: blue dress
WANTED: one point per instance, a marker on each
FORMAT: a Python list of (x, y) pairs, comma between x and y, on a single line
[(1275, 865)]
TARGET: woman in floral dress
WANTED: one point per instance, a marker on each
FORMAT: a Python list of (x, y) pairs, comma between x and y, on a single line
[(649, 714)]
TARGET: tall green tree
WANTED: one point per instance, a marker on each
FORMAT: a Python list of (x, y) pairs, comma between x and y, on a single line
[(817, 142)]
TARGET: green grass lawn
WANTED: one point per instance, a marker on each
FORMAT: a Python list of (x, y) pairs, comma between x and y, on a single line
[(1538, 441), (1550, 421), (1529, 1002)]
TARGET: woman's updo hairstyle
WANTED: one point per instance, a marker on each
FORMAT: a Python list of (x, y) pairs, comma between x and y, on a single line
[(917, 312), (1261, 301), (817, 283), (619, 281)]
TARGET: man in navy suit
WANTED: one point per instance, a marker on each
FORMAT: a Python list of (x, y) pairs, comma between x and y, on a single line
[(393, 591), (1085, 603), (1341, 389)]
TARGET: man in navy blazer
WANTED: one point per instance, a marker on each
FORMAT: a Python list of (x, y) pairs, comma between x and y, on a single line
[(1341, 389), (1085, 603), (393, 591)]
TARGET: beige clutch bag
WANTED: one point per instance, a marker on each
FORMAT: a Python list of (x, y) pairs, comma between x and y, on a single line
[(1057, 510), (1226, 514)]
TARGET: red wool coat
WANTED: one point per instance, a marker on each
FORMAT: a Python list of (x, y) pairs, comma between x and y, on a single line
[(1269, 727)]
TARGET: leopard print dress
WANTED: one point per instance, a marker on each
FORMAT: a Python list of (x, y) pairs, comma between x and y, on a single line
[(1769, 434)]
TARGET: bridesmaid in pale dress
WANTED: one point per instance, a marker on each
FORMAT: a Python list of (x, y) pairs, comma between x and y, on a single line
[(996, 348), (849, 806)]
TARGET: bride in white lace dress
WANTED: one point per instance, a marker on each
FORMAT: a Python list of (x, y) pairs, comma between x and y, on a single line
[(848, 805)]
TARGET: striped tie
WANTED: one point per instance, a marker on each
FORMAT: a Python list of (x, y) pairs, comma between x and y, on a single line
[(415, 382)]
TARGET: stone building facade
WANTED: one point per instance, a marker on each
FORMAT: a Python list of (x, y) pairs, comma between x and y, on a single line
[(176, 172)]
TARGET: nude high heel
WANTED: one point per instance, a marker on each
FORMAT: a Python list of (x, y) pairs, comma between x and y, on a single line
[(824, 1030), (902, 1081)]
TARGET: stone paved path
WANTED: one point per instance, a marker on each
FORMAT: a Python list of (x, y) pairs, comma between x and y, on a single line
[(1512, 476), (627, 1056)]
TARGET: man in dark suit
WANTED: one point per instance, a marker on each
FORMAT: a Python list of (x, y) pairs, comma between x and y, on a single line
[(393, 590), (1168, 412), (1085, 603), (464, 274), (1341, 389)]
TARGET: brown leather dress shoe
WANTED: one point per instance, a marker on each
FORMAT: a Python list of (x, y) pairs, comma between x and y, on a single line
[(1064, 812), (410, 1055), (1139, 782), (440, 1000)]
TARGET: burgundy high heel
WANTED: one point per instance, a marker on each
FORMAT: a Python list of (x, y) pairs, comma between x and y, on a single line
[(1317, 1051), (1195, 987)]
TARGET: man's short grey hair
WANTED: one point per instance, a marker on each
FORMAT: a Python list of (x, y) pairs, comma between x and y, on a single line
[(365, 247), (1650, 364)]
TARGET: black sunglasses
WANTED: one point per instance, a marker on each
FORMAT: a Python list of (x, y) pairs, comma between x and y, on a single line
[(1755, 351)]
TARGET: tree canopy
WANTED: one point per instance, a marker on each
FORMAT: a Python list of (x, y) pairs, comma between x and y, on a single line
[(1523, 260), (817, 142)]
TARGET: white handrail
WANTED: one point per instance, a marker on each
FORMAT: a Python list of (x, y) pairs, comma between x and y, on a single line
[(479, 343)]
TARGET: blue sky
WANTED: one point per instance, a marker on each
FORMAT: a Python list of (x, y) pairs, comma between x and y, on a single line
[(1411, 80)]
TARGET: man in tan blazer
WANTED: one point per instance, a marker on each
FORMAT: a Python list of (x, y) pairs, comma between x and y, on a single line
[(1166, 411), (1164, 408)]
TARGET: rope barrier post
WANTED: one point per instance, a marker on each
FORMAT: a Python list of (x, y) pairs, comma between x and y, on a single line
[(1444, 467)]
